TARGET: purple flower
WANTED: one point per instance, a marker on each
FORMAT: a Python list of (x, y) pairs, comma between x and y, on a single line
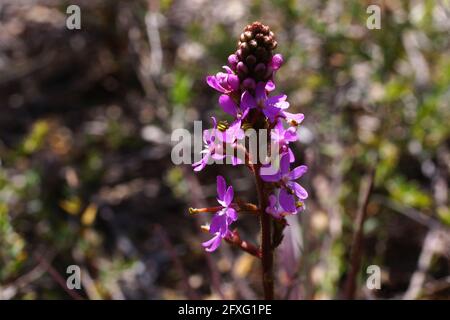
[(213, 147), (230, 136), (274, 208), (215, 139), (270, 106), (222, 219), (224, 82), (283, 137), (233, 133), (290, 189)]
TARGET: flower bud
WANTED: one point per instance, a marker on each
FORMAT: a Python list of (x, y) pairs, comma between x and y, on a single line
[(233, 61), (277, 61), (260, 70), (249, 83), (269, 73), (241, 68), (250, 61)]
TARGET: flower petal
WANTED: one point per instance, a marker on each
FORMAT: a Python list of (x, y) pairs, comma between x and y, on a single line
[(299, 190), (271, 112), (296, 117), (212, 244), (284, 163), (229, 196), (199, 165), (218, 156), (287, 201), (290, 134), (228, 105), (244, 113), (221, 187), (234, 132), (228, 69), (232, 214), (214, 83), (271, 172), (271, 178), (247, 101), (274, 209), (260, 91), (270, 86), (219, 223), (233, 82), (277, 99), (298, 172)]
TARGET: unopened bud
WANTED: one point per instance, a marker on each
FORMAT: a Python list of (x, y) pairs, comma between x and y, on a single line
[(251, 60), (249, 83), (242, 68)]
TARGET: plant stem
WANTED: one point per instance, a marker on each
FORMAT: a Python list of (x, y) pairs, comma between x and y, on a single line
[(235, 239), (241, 207), (356, 248), (266, 239)]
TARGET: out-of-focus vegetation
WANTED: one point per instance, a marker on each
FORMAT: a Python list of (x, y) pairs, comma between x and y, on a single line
[(85, 123)]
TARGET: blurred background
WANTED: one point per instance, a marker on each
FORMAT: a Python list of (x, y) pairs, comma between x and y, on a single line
[(86, 176)]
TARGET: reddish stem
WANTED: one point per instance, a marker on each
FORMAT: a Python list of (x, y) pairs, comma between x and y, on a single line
[(248, 247), (235, 239), (240, 206)]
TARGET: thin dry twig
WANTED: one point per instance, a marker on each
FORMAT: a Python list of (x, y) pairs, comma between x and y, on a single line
[(57, 277), (418, 278), (409, 212), (356, 248), (152, 27)]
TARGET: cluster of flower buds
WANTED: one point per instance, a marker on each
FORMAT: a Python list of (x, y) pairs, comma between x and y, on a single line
[(246, 87), (254, 60)]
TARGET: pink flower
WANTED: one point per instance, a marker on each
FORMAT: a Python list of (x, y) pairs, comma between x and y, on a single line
[(283, 137), (222, 219), (289, 188), (215, 139), (224, 82), (213, 148), (270, 106)]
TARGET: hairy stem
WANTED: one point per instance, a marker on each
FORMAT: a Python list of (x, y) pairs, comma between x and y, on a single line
[(266, 239)]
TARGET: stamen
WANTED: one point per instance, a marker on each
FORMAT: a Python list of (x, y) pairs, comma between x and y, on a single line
[(223, 125)]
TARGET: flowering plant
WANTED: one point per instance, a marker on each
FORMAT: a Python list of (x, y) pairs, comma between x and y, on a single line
[(246, 89)]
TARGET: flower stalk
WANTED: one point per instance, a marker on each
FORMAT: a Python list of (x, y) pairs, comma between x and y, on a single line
[(266, 241), (246, 89)]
